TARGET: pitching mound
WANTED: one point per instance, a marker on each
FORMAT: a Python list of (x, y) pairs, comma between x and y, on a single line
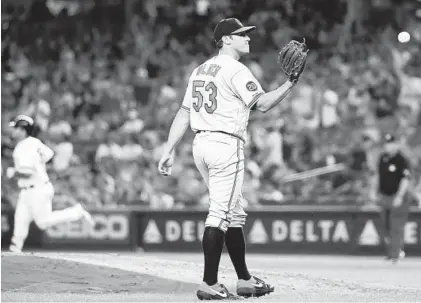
[(34, 278), (164, 277)]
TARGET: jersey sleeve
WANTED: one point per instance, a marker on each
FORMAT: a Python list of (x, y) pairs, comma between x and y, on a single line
[(246, 87), (187, 100), (45, 152)]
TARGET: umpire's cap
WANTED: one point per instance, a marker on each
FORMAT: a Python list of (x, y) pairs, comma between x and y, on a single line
[(23, 121), (230, 26)]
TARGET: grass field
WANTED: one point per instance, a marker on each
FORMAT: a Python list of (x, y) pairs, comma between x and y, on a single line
[(165, 277)]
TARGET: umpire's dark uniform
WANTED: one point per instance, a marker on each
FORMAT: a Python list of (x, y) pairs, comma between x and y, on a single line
[(393, 181)]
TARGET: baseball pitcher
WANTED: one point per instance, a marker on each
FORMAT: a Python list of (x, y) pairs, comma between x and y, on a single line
[(36, 191), (217, 103)]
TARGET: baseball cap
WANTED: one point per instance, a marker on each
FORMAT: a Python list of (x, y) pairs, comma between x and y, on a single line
[(21, 120), (230, 26)]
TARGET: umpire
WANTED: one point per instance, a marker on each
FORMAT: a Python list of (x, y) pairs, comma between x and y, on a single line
[(391, 182)]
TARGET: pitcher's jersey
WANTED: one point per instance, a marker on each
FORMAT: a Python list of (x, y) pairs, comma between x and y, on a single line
[(32, 154), (219, 96)]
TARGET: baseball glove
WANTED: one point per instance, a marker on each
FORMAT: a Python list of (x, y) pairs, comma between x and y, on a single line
[(292, 59)]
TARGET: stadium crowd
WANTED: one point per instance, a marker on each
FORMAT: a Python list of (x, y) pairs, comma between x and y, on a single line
[(103, 83)]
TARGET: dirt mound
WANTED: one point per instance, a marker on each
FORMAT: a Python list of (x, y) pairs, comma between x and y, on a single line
[(34, 274)]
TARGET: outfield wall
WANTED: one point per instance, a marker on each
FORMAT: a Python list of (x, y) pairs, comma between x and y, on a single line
[(278, 229)]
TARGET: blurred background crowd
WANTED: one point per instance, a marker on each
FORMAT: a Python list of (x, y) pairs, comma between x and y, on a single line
[(104, 79)]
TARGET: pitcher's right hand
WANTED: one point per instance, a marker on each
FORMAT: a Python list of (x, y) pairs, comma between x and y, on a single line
[(165, 164)]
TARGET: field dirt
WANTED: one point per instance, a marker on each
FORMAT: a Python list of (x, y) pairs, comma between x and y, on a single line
[(168, 277)]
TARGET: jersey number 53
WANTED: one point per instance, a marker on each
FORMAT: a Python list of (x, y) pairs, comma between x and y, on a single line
[(199, 89)]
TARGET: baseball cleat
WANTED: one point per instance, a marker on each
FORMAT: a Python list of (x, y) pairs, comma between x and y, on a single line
[(254, 287), (401, 256), (215, 292), (13, 248), (87, 216)]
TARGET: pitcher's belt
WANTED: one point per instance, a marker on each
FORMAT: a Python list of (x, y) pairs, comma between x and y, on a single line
[(34, 185), (221, 132)]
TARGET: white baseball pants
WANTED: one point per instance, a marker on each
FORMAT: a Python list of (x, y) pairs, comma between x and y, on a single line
[(219, 158), (36, 204)]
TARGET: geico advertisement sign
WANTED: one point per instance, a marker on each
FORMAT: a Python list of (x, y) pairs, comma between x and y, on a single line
[(157, 231), (107, 227)]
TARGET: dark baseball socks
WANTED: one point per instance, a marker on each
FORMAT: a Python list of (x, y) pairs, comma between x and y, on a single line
[(236, 246), (213, 242)]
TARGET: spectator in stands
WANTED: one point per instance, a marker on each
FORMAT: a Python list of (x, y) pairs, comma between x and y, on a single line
[(41, 111), (270, 181), (251, 184), (109, 149), (63, 149), (270, 155), (131, 150), (106, 186), (60, 128), (329, 114), (134, 124)]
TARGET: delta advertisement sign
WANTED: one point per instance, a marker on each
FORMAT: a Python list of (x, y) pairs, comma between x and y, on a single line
[(282, 232)]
